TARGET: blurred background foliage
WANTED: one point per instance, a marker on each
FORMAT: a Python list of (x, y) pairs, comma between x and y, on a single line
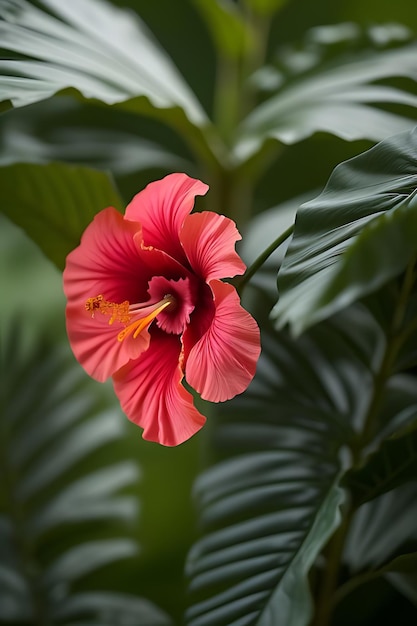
[(161, 525)]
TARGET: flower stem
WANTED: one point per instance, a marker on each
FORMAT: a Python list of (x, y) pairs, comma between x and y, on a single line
[(260, 260)]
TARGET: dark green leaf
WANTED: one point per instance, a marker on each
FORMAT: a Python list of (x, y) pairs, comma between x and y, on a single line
[(404, 575), (379, 542), (406, 564), (112, 608), (54, 203), (394, 463), (383, 529), (15, 601), (66, 130), (267, 511), (104, 52), (68, 451), (337, 96), (87, 557), (38, 385), (360, 232), (89, 498)]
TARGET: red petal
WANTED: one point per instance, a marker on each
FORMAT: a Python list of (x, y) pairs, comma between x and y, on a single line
[(106, 262), (209, 243), (152, 396), (223, 362), (161, 209)]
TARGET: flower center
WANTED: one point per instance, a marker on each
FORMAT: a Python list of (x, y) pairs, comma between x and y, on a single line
[(136, 317)]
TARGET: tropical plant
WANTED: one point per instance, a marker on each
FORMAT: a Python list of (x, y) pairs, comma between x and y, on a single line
[(305, 485), (65, 509)]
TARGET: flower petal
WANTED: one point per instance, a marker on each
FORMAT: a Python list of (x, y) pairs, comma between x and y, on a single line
[(223, 362), (152, 396), (95, 344), (209, 243), (161, 209), (105, 263)]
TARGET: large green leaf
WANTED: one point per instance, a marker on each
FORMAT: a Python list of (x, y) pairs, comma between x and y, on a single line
[(91, 497), (112, 608), (84, 558), (67, 130), (54, 203), (62, 513), (382, 529), (267, 511), (104, 52), (393, 464), (341, 95), (360, 232)]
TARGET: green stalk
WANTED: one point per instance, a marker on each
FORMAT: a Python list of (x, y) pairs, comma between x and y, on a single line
[(328, 595), (394, 342), (260, 260), (233, 100)]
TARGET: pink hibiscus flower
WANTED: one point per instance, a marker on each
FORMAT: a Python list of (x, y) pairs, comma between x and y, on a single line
[(146, 306)]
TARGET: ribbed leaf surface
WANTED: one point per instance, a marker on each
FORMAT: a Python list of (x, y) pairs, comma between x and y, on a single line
[(53, 424), (338, 93), (360, 232), (268, 510), (392, 464), (104, 52)]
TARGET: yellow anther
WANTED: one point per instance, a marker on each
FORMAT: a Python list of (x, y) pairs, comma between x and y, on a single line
[(142, 314), (117, 312)]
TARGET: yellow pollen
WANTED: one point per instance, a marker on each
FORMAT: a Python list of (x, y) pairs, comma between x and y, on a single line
[(124, 312), (117, 312)]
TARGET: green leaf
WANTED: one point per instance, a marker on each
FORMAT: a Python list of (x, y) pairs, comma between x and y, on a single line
[(227, 26), (113, 608), (360, 232), (87, 557), (90, 498), (291, 603), (402, 574), (268, 510), (54, 203), (102, 51), (393, 464), (67, 130), (15, 601), (69, 450), (47, 498), (341, 95), (382, 529), (406, 563)]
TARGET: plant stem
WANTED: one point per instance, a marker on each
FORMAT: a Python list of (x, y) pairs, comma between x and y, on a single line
[(260, 260), (394, 342), (324, 605), (328, 597)]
